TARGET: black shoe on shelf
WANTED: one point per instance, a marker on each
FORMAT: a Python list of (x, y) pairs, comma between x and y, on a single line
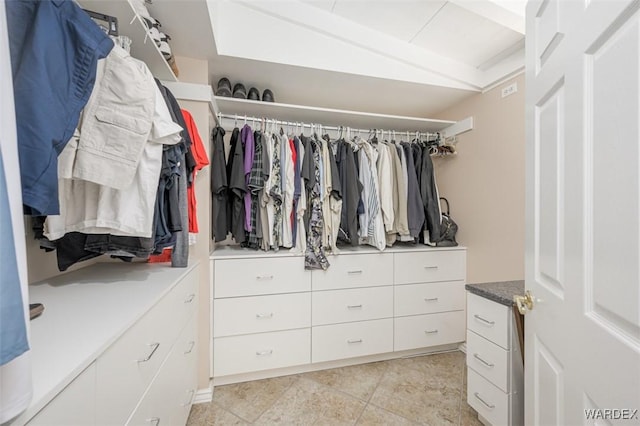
[(267, 96), (254, 94), (224, 87), (239, 91)]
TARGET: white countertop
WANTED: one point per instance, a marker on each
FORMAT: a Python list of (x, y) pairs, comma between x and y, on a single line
[(237, 252), (85, 312)]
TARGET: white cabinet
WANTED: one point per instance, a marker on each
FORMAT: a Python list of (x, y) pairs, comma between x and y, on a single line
[(74, 406), (359, 304), (242, 277), (355, 270), (353, 339), (263, 351), (168, 399), (495, 384), (269, 313), (422, 331), (138, 350)]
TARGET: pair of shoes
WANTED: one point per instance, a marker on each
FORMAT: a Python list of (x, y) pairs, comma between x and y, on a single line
[(254, 95), (239, 91), (161, 39)]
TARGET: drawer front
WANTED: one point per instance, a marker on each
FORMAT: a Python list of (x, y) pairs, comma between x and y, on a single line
[(74, 406), (126, 368), (350, 340), (489, 319), (421, 331), (252, 277), (169, 396), (360, 304), (244, 315), (489, 360), (357, 270), (264, 351), (489, 401), (429, 266), (416, 299)]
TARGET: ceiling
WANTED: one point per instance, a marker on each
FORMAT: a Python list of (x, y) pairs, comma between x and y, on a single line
[(402, 57)]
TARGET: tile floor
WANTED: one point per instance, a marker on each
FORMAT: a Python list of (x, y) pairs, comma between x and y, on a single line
[(428, 390)]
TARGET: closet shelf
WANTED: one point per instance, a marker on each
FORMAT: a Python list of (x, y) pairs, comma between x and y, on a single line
[(132, 26), (328, 116)]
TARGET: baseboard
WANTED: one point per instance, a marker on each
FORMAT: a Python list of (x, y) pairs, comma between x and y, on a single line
[(463, 347), (204, 395), (305, 368)]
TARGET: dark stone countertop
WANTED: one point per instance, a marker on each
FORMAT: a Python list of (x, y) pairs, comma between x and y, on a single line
[(501, 292)]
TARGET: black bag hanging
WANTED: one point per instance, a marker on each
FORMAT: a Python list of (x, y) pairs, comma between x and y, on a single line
[(448, 229)]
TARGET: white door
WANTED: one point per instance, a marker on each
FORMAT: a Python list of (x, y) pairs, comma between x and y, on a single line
[(583, 212)]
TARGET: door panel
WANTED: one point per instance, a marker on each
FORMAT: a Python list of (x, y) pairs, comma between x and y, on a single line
[(612, 286), (549, 386), (582, 338), (550, 229), (548, 33)]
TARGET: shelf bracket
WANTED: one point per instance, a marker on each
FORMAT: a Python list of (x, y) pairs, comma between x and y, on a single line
[(459, 127)]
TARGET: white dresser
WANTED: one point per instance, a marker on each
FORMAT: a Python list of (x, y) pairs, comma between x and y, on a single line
[(270, 314), (495, 382), (115, 345)]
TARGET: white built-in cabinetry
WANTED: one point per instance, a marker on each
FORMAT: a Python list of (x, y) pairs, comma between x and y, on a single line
[(269, 313), (495, 382), (115, 345)]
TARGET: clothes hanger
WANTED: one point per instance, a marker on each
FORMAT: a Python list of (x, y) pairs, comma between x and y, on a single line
[(235, 121)]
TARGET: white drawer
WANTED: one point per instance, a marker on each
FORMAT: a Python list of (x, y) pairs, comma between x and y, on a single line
[(415, 299), (489, 401), (264, 351), (357, 270), (353, 339), (244, 315), (489, 319), (126, 368), (489, 360), (73, 406), (431, 266), (252, 277), (169, 396), (360, 304), (184, 360), (421, 331)]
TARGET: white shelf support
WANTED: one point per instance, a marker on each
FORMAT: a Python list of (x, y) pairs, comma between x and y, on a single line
[(194, 92), (459, 127)]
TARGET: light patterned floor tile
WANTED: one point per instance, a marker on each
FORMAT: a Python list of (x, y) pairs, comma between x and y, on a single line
[(307, 402), (212, 414), (425, 389), (373, 416), (250, 399), (358, 380)]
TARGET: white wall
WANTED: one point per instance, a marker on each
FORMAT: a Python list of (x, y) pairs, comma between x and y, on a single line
[(485, 183)]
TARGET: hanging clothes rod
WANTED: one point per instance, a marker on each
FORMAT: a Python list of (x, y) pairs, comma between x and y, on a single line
[(245, 119)]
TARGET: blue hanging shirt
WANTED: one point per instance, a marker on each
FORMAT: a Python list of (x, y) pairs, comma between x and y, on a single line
[(13, 330)]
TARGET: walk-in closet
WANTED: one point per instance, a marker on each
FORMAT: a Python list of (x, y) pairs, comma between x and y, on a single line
[(344, 212)]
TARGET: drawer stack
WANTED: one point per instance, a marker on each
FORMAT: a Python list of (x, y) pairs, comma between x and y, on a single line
[(495, 372), (352, 307), (429, 299), (147, 376), (261, 314), (268, 312)]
